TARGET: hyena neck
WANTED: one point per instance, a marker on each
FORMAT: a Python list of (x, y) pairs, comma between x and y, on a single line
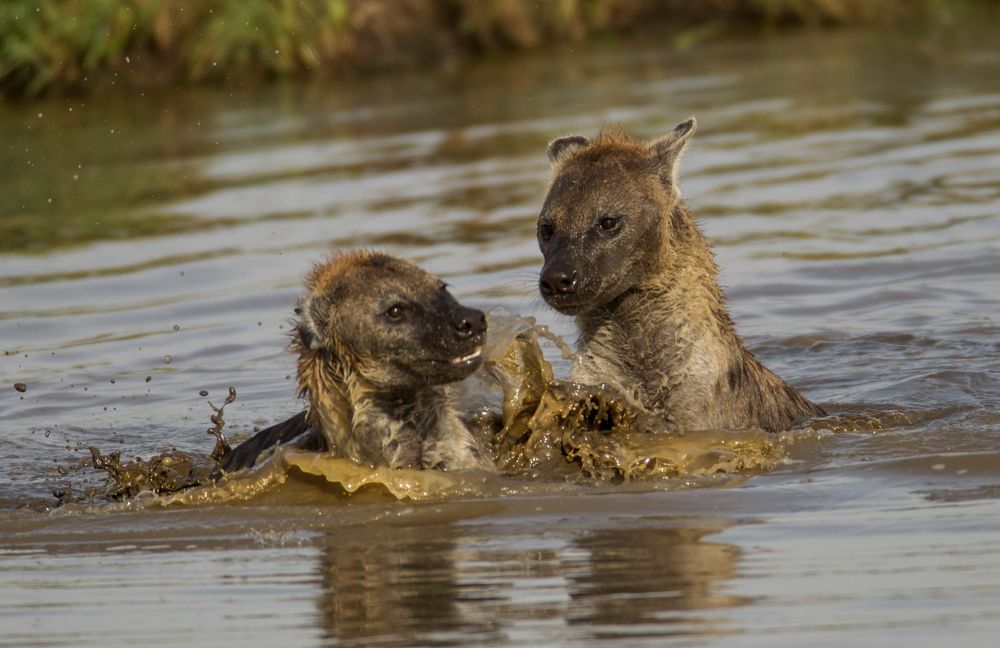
[(415, 429), (662, 342), (671, 344), (353, 415), (393, 428)]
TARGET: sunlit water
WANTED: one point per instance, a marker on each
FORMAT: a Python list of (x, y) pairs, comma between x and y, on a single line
[(850, 182)]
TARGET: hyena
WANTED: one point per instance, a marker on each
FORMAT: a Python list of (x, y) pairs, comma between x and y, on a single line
[(625, 256)]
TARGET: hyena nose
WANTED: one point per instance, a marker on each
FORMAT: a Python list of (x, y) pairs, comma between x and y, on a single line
[(469, 322), (557, 281)]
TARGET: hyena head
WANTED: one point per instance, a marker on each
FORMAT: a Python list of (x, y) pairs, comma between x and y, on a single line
[(394, 323), (607, 215)]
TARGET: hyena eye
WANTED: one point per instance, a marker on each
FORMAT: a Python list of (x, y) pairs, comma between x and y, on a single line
[(395, 312), (545, 231), (609, 223)]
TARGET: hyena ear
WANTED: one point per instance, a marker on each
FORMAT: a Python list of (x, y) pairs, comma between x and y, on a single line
[(306, 329), (667, 151), (307, 338), (558, 148)]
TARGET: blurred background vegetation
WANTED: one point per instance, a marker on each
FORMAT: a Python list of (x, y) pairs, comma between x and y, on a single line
[(50, 45)]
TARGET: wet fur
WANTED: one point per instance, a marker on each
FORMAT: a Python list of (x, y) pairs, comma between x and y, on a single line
[(652, 318), (418, 429)]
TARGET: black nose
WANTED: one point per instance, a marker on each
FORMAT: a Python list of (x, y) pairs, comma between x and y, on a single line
[(557, 280), (469, 322)]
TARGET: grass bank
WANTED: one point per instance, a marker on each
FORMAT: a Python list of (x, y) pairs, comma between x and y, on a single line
[(48, 45)]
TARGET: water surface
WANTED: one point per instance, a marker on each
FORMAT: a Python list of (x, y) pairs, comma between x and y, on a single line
[(850, 181)]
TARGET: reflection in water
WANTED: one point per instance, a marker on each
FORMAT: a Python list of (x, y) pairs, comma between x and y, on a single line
[(652, 576), (448, 584), (389, 590)]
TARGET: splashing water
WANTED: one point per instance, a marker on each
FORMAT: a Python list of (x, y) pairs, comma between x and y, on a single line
[(547, 431), (167, 472), (559, 428)]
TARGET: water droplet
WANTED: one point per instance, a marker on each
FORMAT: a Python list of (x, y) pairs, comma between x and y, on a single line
[(177, 327), (203, 392), (937, 467), (21, 387), (167, 359), (148, 378)]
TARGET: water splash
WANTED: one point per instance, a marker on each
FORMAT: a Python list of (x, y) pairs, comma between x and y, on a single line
[(540, 430), (554, 428), (400, 483), (166, 472)]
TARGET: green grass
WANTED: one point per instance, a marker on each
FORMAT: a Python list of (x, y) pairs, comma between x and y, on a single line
[(67, 44)]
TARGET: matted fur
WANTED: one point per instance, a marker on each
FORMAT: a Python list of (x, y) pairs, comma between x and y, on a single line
[(358, 421)]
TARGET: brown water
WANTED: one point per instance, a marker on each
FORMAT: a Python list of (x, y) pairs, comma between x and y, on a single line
[(851, 183)]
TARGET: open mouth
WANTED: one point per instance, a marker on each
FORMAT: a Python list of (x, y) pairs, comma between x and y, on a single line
[(466, 360)]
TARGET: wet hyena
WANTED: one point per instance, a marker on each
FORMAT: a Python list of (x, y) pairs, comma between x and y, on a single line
[(624, 255), (378, 341)]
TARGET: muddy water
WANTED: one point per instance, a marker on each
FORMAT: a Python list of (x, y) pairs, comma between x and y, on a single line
[(153, 247)]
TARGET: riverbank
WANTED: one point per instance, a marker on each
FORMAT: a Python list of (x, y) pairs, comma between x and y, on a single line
[(82, 45)]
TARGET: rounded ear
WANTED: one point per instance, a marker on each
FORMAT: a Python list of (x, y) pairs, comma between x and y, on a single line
[(306, 337), (306, 328), (562, 146), (666, 151)]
